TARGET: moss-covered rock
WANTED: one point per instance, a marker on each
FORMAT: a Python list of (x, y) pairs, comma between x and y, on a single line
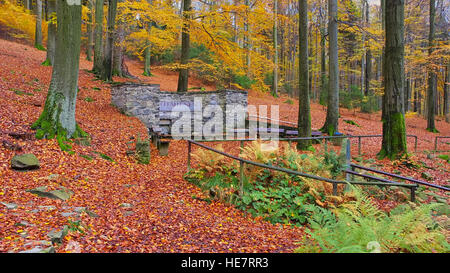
[(25, 162)]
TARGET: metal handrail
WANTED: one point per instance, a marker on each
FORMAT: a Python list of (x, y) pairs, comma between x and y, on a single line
[(310, 138), (436, 141), (400, 177), (243, 161)]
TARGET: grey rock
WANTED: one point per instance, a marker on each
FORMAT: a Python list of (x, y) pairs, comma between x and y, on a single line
[(25, 162), (57, 236), (9, 205)]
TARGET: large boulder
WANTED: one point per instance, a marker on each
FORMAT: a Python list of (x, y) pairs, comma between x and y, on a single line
[(25, 162)]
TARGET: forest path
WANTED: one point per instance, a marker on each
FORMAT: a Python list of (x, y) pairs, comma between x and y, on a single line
[(140, 208)]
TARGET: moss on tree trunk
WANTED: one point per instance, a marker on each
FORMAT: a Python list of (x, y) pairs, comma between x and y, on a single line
[(304, 113), (332, 119), (394, 130), (51, 33), (58, 117), (183, 77)]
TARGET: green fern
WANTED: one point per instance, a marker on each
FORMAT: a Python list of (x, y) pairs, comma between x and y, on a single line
[(360, 226)]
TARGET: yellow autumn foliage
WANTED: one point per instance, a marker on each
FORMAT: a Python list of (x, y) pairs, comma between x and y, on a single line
[(20, 19)]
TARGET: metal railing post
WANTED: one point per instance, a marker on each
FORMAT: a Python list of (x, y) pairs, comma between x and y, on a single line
[(348, 158), (413, 194), (189, 156), (415, 144), (359, 145), (241, 178)]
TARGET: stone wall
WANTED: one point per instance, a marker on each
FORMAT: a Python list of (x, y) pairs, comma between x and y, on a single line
[(150, 105)]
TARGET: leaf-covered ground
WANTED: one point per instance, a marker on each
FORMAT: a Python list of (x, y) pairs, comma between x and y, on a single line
[(132, 207)]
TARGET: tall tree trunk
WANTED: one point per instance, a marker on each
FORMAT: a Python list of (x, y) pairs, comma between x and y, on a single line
[(304, 111), (38, 32), (98, 31), (431, 92), (58, 116), (275, 46), (394, 130), (368, 70), (89, 32), (51, 33), (364, 55), (323, 72), (332, 119), (247, 39), (185, 46), (446, 93), (407, 93), (107, 70), (148, 50)]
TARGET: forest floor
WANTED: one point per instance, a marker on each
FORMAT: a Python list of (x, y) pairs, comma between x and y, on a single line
[(139, 208)]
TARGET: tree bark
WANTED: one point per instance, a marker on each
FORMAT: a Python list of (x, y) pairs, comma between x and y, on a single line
[(304, 111), (431, 91), (38, 32), (394, 130), (51, 33), (107, 69), (247, 39), (58, 116), (98, 32), (275, 46), (446, 93), (332, 119), (323, 72), (89, 32), (148, 51), (183, 78)]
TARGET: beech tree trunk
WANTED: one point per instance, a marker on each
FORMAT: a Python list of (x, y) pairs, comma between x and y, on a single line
[(148, 51), (394, 130), (107, 69), (185, 46), (51, 33), (98, 33), (58, 116), (89, 32), (431, 91), (38, 32), (304, 112), (446, 93), (332, 119), (275, 46)]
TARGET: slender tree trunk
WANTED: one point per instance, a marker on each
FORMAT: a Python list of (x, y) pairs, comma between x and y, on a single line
[(431, 94), (368, 71), (304, 112), (407, 94), (275, 46), (58, 116), (394, 130), (446, 93), (51, 33), (247, 39), (332, 119), (147, 60), (185, 46), (98, 31), (107, 70), (89, 32), (148, 51), (323, 72), (38, 33)]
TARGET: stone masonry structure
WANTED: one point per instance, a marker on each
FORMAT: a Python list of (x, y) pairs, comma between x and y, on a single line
[(154, 107)]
